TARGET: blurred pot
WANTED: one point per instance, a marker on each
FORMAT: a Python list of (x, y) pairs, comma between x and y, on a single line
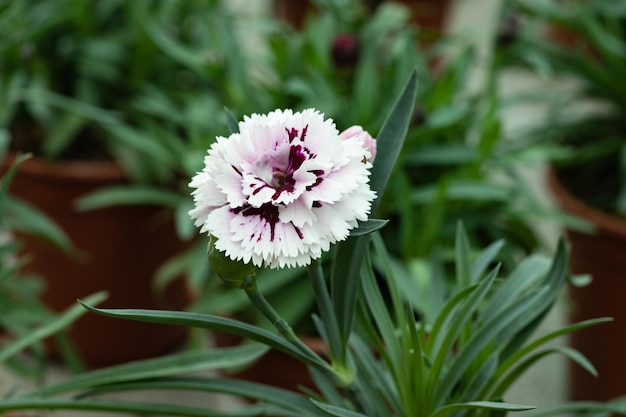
[(118, 249), (428, 14), (603, 256)]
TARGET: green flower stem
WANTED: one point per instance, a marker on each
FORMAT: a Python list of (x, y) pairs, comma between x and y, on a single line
[(281, 325), (337, 344)]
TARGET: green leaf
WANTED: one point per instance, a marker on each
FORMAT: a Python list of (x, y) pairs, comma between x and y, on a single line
[(510, 320), (380, 393), (5, 182), (116, 406), (450, 333), (344, 280), (520, 281), (207, 321), (446, 116), (391, 138), (462, 258), (194, 60), (140, 141), (484, 259), (27, 219), (62, 134), (233, 125), (184, 224), (463, 189), (285, 399), (531, 347), (368, 226), (380, 315), (608, 408), (521, 367), (175, 364), (345, 274), (41, 97), (329, 327), (552, 286), (484, 405), (129, 195), (447, 155), (59, 323), (336, 411)]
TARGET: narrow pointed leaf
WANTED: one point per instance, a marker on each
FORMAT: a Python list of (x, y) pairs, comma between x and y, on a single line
[(283, 398), (26, 218), (337, 411), (128, 195), (135, 408), (588, 407), (233, 126), (368, 227), (484, 405), (207, 321), (345, 274), (61, 322), (520, 368), (183, 362), (391, 138), (526, 350)]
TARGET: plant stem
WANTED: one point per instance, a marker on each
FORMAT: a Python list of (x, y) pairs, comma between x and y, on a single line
[(281, 325)]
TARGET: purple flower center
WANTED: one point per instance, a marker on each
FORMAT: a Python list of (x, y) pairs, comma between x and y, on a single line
[(276, 171), (282, 180)]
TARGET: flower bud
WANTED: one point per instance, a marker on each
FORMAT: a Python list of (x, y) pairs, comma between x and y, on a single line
[(508, 30), (357, 132), (345, 51), (233, 273)]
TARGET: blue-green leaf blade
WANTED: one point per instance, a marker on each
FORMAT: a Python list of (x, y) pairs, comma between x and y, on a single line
[(336, 411), (391, 138), (179, 363), (208, 321)]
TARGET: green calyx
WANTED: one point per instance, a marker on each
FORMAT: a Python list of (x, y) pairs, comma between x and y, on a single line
[(233, 273)]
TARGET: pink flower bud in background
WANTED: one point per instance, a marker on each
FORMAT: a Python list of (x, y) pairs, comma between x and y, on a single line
[(345, 51), (357, 132)]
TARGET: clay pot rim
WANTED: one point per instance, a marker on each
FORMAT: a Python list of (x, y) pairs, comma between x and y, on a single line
[(603, 222), (82, 171)]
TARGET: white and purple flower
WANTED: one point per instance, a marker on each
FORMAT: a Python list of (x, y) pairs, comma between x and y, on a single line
[(283, 189), (358, 133)]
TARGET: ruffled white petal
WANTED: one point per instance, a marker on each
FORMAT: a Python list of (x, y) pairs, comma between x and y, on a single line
[(283, 189)]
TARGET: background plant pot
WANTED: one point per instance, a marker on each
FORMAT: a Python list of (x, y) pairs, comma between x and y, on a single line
[(118, 250), (275, 368), (428, 14), (603, 255)]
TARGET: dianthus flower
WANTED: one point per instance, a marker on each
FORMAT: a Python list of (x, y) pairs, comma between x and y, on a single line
[(357, 131), (283, 189)]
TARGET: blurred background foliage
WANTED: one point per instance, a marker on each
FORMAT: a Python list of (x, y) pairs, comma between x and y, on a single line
[(146, 83)]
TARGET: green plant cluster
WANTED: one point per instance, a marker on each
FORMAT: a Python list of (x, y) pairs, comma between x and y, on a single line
[(383, 360), (446, 168), (452, 164), (145, 82), (583, 43)]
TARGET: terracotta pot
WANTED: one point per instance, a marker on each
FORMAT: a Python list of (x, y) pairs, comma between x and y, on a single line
[(428, 14), (602, 255), (275, 368), (118, 250)]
